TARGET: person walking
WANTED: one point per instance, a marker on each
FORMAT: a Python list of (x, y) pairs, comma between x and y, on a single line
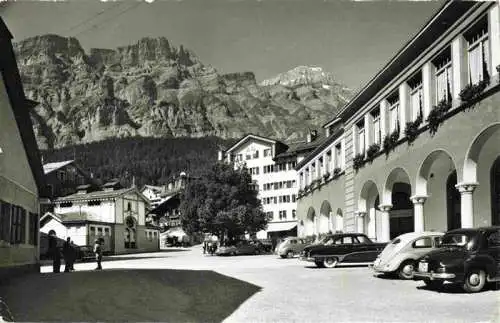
[(98, 253)]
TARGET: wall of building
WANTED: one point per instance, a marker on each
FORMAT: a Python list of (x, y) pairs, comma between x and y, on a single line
[(263, 178), (17, 186), (333, 194), (454, 139), (143, 244), (105, 212)]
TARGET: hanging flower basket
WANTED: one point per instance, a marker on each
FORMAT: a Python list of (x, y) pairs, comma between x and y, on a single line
[(372, 152), (391, 141), (411, 130), (436, 116), (358, 161)]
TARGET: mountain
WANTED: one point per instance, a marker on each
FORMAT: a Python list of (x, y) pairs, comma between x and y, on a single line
[(155, 89)]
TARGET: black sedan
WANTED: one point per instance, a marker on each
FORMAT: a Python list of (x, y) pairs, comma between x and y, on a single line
[(352, 248), (469, 257)]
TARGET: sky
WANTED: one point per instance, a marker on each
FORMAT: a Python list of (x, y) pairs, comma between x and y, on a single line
[(353, 40)]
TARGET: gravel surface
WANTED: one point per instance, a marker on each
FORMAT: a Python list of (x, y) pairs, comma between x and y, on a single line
[(289, 290)]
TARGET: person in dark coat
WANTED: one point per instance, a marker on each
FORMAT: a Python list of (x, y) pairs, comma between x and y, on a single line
[(55, 254), (67, 254)]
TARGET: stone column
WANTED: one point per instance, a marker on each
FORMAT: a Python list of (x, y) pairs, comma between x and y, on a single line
[(428, 88), (385, 236), (368, 130), (404, 106), (384, 119), (467, 203), (418, 212), (360, 221), (459, 65), (494, 37), (355, 144)]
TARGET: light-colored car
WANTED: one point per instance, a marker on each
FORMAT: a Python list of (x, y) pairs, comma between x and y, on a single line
[(400, 255), (290, 247)]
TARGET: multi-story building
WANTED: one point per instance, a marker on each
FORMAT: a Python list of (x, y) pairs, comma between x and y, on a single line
[(64, 178), (271, 164), (21, 175), (419, 143), (115, 214)]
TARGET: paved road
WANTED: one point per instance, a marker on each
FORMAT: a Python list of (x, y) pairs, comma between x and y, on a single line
[(293, 291)]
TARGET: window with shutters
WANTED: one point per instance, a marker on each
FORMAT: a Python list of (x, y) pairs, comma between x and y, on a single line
[(478, 51), (443, 76), (393, 101), (361, 137), (416, 96), (376, 126)]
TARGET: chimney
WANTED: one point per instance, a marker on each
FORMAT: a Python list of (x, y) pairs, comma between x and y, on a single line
[(314, 135), (327, 132), (221, 155), (308, 137)]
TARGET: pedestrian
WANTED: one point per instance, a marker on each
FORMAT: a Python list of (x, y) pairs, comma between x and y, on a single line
[(54, 253), (98, 253), (73, 255), (67, 255)]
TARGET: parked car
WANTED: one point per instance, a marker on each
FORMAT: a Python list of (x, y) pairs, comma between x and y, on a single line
[(85, 253), (401, 254), (264, 245), (239, 248), (290, 247), (469, 257), (343, 248)]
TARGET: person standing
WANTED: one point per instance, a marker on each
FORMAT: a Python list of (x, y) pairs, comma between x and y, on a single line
[(98, 253), (67, 255), (54, 253), (73, 255)]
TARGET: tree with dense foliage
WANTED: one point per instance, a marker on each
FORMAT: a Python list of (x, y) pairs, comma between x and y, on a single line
[(223, 202)]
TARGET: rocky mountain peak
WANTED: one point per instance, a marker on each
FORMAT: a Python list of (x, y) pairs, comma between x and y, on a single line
[(302, 75), (154, 89)]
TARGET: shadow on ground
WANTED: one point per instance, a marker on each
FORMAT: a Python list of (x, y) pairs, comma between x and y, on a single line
[(449, 288), (126, 295)]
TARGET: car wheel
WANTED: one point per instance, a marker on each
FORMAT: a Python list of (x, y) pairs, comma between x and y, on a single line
[(283, 256), (330, 262), (406, 270), (319, 264), (233, 253), (474, 281), (289, 254), (433, 284)]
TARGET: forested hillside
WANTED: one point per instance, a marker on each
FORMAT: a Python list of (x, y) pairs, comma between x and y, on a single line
[(150, 160)]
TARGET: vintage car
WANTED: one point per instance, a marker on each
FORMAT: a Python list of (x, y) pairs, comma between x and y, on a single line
[(290, 247), (469, 257), (239, 248), (350, 248), (400, 255)]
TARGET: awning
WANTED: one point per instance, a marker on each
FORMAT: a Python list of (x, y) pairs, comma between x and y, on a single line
[(280, 226)]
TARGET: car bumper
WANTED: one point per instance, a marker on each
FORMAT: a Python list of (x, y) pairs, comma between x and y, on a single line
[(434, 276), (310, 259)]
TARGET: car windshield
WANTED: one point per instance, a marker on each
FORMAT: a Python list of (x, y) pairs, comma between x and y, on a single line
[(459, 239)]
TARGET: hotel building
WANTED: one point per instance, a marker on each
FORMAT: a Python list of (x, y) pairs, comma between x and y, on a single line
[(417, 148), (272, 166)]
